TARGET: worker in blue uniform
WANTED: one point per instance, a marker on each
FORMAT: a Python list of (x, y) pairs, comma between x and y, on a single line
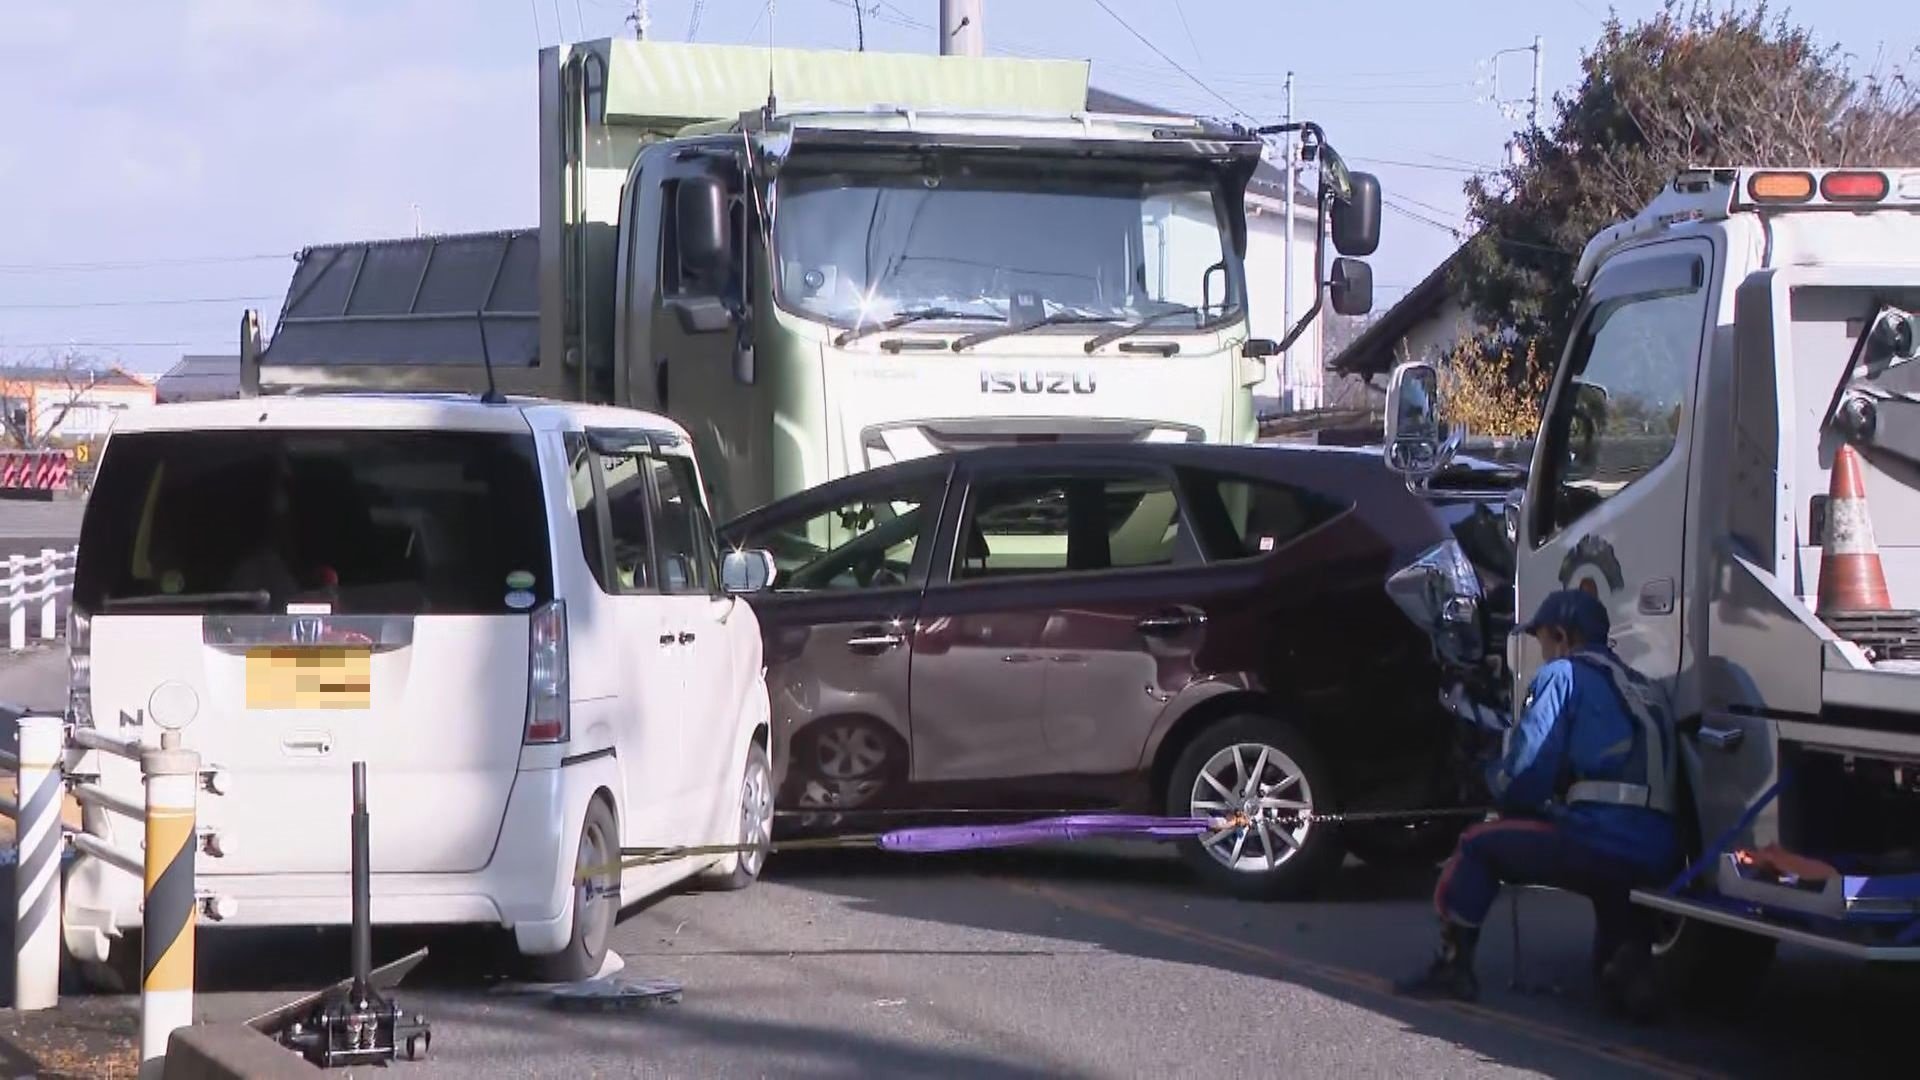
[(1585, 789)]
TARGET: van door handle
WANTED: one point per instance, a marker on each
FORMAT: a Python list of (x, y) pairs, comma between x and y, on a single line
[(667, 639), (686, 637), (308, 743)]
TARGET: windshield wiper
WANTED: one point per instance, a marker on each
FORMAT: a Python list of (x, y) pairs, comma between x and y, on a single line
[(1102, 340), (894, 322), (254, 598), (1058, 318)]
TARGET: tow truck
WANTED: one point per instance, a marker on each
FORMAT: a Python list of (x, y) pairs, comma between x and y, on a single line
[(1750, 328), (819, 262)]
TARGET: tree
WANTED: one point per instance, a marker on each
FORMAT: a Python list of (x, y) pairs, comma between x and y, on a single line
[(35, 399), (1695, 84)]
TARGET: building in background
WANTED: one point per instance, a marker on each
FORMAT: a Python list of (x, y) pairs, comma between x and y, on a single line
[(1425, 325), (64, 403), (200, 378), (1295, 382)]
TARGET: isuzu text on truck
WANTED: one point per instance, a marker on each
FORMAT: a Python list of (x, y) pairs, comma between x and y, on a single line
[(1735, 421), (823, 261)]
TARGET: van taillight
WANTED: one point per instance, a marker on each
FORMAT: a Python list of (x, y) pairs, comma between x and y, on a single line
[(79, 667), (547, 720)]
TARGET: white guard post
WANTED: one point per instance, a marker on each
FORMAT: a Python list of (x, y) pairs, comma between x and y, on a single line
[(36, 879)]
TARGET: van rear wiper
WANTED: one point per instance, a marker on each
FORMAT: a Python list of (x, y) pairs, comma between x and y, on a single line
[(894, 322), (1058, 318), (253, 598), (1100, 341)]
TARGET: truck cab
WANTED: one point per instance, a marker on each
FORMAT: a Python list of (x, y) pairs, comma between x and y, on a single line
[(1682, 476), (819, 262)]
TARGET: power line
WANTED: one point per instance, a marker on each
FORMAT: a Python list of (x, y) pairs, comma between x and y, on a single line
[(137, 264), (111, 344), (1420, 165), (1422, 219), (1180, 9), (158, 302), (1157, 51)]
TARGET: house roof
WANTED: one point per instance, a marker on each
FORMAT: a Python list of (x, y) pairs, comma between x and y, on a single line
[(1372, 352), (64, 376), (200, 377), (1269, 180)]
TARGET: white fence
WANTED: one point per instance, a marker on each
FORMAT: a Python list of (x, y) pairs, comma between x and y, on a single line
[(29, 585)]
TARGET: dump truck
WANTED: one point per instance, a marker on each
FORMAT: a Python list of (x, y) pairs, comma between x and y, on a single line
[(824, 261), (1730, 460)]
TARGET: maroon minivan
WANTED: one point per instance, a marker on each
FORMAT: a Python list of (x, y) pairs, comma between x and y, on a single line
[(1179, 629)]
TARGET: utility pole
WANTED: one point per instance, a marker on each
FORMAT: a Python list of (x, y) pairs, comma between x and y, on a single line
[(1539, 68), (860, 25), (642, 19), (961, 32), (1286, 358)]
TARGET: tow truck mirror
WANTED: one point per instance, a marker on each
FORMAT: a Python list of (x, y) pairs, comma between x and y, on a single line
[(1351, 287), (701, 225), (1356, 219), (1259, 348)]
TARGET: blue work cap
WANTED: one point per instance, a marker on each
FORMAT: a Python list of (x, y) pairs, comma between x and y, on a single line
[(1575, 610)]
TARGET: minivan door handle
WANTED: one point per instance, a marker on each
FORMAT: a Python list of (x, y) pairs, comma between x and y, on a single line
[(1170, 622), (687, 637), (875, 639)]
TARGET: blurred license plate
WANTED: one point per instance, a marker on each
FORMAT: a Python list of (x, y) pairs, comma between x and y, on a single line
[(309, 678)]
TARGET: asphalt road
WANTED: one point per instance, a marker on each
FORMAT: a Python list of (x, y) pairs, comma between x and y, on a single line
[(1088, 961)]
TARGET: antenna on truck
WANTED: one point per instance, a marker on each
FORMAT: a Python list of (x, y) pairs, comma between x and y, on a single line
[(492, 396)]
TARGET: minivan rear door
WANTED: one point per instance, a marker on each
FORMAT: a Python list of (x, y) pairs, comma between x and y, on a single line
[(324, 597)]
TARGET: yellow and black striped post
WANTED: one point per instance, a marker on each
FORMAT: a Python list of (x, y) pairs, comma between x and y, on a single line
[(166, 968)]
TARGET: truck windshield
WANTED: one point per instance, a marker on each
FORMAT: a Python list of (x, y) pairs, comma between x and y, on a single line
[(855, 247)]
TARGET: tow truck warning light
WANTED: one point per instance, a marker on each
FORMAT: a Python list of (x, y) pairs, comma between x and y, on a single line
[(1776, 187)]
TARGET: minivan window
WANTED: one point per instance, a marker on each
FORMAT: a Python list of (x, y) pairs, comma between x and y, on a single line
[(1245, 519), (368, 522), (680, 529), (1038, 525)]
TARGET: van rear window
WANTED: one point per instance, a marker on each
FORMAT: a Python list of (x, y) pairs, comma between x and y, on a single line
[(367, 522)]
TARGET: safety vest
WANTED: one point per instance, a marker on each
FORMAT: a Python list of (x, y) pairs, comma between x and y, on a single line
[(1648, 708)]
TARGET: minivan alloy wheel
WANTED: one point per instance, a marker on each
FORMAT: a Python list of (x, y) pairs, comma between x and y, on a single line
[(756, 818), (1265, 787), (599, 895)]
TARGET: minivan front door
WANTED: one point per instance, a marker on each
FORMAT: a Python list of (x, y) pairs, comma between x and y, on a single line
[(838, 629)]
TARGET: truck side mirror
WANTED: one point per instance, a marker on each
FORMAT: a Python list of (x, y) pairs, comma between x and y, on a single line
[(1356, 218), (1414, 446), (1259, 348), (701, 225), (1351, 287)]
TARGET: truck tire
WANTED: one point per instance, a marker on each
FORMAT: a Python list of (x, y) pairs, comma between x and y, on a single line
[(593, 915), (1228, 752), (1713, 965)]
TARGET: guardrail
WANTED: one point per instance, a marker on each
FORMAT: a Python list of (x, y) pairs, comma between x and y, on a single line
[(172, 777), (26, 583)]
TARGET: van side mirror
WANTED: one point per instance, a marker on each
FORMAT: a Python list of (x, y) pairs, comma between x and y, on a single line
[(1356, 219), (743, 573), (701, 224), (1350, 287), (1415, 445)]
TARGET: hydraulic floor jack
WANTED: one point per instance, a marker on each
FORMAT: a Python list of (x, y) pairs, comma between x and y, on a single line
[(354, 1022)]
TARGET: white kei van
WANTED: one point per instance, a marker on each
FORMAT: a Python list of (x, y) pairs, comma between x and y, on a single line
[(516, 614)]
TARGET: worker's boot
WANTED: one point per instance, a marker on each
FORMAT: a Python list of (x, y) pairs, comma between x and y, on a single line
[(1450, 974)]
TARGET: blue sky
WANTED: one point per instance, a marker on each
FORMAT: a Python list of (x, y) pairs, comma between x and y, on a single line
[(148, 147)]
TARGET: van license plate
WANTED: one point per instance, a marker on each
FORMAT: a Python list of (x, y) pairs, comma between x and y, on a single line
[(309, 678)]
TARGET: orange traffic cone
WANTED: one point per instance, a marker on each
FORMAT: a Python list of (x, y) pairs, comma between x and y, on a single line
[(1851, 579)]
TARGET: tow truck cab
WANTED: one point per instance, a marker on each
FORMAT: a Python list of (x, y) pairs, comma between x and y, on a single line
[(1745, 325)]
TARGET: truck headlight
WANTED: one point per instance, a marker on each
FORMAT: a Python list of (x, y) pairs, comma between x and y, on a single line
[(1440, 591)]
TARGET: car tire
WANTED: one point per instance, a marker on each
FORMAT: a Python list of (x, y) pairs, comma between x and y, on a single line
[(593, 916), (1303, 857), (741, 869)]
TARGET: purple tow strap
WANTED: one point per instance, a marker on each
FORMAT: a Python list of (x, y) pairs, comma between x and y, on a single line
[(935, 838)]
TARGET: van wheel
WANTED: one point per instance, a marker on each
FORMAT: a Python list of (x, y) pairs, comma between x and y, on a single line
[(741, 869), (1263, 768), (596, 904)]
